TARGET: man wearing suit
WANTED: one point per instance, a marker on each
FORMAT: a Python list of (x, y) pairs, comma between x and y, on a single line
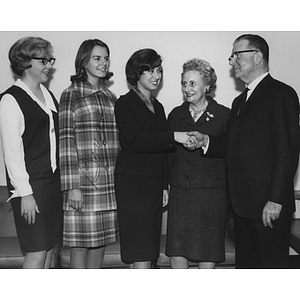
[(261, 147)]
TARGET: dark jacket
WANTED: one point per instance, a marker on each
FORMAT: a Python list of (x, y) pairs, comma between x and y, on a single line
[(261, 146), (188, 169), (144, 137)]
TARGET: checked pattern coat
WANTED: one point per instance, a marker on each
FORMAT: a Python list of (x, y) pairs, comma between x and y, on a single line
[(89, 144)]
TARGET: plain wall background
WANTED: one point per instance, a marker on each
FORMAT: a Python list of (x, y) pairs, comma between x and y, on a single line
[(174, 46), (157, 15)]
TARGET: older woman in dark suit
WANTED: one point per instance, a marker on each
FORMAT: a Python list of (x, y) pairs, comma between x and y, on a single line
[(198, 205), (141, 169)]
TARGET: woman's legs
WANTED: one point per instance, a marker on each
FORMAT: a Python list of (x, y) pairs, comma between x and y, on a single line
[(206, 265), (48, 259), (78, 258), (95, 258), (35, 260), (87, 258), (142, 265), (179, 262)]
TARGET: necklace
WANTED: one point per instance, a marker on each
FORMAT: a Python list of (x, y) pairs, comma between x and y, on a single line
[(197, 113)]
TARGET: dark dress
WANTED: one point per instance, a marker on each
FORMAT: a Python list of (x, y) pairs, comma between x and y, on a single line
[(46, 232), (198, 203), (141, 176)]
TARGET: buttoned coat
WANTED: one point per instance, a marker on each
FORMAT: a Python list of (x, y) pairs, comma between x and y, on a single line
[(261, 146), (89, 145), (144, 137), (188, 169)]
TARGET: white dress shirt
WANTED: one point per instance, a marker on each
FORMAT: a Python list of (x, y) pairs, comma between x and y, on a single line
[(251, 88), (12, 126), (254, 84)]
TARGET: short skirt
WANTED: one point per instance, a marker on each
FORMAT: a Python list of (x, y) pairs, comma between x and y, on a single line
[(90, 229)]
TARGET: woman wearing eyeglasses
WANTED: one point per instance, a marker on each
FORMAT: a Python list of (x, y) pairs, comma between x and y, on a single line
[(89, 144), (29, 137)]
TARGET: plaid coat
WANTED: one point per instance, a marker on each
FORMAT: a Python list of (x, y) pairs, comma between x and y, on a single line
[(89, 145)]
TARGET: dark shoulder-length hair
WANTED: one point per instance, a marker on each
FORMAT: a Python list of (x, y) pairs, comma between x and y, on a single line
[(22, 51), (140, 61), (83, 57)]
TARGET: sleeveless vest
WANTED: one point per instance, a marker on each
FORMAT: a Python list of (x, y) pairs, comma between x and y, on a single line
[(36, 135)]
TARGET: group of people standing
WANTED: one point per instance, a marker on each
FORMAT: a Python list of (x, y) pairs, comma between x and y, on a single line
[(92, 169)]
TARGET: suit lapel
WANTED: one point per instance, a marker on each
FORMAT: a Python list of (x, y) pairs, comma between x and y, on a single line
[(256, 95)]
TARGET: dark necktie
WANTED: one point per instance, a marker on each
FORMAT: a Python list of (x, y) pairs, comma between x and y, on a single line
[(244, 98)]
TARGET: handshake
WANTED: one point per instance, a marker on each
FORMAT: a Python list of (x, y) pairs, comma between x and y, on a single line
[(191, 140)]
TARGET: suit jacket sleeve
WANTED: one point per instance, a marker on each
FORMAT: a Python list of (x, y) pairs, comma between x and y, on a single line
[(284, 123)]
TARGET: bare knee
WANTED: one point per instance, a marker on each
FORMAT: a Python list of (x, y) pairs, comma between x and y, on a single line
[(35, 260), (179, 262)]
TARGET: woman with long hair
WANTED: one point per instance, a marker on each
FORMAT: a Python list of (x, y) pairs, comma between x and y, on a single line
[(89, 146)]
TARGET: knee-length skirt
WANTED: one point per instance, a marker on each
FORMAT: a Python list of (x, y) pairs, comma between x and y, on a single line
[(196, 224), (47, 230), (139, 201), (90, 229)]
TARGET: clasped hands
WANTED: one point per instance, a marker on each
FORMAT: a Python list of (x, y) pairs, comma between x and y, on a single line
[(191, 140)]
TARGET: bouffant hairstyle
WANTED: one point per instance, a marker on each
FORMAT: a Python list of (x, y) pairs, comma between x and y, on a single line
[(22, 50), (83, 57), (139, 62), (204, 68)]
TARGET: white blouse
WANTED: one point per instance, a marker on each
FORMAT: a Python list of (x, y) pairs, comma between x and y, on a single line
[(12, 126)]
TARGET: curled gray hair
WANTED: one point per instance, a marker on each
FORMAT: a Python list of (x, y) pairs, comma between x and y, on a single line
[(205, 69)]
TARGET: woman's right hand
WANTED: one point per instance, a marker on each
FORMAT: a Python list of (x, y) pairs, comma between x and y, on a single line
[(75, 199), (184, 138)]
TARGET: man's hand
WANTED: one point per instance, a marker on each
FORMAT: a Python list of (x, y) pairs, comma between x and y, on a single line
[(200, 139), (185, 139), (271, 212), (165, 198)]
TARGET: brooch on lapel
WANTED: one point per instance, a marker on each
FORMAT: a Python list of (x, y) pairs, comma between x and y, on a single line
[(209, 116)]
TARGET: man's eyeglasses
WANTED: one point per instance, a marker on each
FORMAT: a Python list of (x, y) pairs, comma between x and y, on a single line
[(236, 54), (45, 60)]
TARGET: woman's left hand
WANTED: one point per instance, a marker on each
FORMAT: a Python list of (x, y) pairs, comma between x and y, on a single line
[(165, 198)]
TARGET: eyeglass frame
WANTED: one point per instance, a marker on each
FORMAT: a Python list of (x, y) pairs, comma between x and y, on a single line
[(45, 60), (235, 54)]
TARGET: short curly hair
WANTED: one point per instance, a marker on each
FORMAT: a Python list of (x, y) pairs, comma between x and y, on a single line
[(22, 50), (140, 61), (205, 69)]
